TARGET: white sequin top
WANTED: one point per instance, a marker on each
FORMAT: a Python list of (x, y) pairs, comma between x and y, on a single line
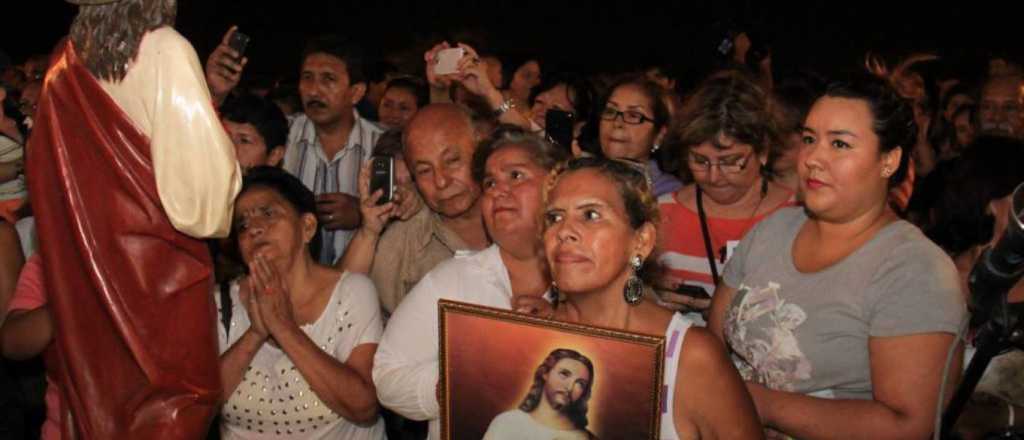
[(273, 400)]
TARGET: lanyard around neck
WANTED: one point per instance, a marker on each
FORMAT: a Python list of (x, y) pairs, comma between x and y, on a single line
[(707, 235)]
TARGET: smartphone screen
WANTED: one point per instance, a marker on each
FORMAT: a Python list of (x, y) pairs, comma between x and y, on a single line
[(448, 60), (558, 126), (382, 172)]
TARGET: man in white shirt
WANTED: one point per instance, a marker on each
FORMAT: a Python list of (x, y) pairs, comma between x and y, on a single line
[(330, 141)]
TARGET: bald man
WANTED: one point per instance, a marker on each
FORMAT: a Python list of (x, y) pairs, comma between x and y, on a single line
[(439, 143)]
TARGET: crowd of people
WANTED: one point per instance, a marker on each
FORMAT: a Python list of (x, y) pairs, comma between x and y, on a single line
[(803, 242)]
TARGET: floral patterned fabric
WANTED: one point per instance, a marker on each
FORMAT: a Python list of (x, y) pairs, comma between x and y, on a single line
[(808, 332)]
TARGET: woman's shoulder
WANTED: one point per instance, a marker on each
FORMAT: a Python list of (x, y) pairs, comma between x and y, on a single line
[(701, 350), (901, 244), (785, 221), (354, 286)]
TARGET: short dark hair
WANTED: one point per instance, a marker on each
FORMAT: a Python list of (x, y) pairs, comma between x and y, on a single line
[(892, 116), (542, 152), (289, 188), (389, 144), (415, 87), (510, 64), (581, 93), (342, 49), (262, 114), (286, 93)]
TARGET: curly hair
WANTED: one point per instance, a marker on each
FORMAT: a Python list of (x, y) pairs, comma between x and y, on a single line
[(577, 410), (107, 36)]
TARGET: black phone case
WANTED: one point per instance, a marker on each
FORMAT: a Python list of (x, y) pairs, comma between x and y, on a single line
[(238, 42), (693, 291), (381, 177), (559, 127)]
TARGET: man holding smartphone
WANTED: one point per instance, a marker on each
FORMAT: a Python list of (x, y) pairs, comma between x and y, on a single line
[(329, 142)]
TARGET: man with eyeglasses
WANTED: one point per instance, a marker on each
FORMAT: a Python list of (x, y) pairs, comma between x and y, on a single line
[(999, 110)]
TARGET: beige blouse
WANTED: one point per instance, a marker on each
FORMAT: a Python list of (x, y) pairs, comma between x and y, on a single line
[(165, 95)]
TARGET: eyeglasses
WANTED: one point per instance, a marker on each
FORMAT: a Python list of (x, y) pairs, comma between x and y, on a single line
[(700, 164), (628, 116)]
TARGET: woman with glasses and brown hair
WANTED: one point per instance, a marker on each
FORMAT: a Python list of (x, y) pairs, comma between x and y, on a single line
[(725, 135), (633, 122)]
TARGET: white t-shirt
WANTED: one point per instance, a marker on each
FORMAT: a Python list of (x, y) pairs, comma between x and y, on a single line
[(273, 400)]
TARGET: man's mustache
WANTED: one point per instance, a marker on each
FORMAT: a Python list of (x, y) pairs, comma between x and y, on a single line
[(315, 103)]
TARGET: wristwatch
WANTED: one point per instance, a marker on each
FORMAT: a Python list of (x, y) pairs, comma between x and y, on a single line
[(505, 106)]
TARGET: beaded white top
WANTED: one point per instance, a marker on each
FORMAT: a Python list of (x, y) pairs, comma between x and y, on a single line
[(273, 400)]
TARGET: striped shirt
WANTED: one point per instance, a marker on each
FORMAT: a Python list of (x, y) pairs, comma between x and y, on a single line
[(304, 158), (681, 243)]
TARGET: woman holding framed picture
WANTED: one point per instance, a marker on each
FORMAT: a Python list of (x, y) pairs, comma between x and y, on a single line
[(599, 230)]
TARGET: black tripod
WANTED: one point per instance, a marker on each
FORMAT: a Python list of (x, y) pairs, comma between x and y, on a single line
[(992, 339), (998, 323)]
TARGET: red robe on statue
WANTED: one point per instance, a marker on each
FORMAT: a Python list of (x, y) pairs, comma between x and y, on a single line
[(135, 336)]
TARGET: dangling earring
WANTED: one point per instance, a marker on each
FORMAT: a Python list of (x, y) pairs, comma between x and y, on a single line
[(556, 296), (634, 290), (655, 147)]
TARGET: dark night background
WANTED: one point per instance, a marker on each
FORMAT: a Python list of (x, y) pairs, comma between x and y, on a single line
[(585, 36)]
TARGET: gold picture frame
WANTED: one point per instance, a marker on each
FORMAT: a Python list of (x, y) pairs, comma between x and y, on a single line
[(493, 365)]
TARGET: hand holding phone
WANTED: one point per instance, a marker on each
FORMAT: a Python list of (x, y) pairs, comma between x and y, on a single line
[(382, 176), (447, 60), (239, 42), (558, 124)]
